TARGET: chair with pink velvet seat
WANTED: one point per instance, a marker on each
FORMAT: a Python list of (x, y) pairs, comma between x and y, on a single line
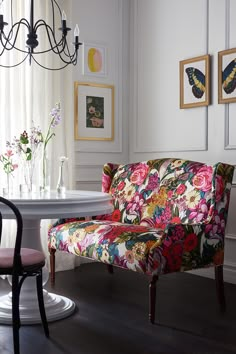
[(20, 263)]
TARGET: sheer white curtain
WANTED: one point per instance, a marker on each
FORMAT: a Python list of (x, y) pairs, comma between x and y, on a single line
[(27, 94)]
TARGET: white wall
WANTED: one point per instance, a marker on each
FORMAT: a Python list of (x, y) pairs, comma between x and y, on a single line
[(146, 39), (163, 32), (104, 22)]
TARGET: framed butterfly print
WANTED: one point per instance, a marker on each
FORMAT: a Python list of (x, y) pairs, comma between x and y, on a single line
[(227, 76), (194, 82)]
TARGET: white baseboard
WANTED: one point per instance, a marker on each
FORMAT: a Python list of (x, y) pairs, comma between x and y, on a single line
[(229, 272)]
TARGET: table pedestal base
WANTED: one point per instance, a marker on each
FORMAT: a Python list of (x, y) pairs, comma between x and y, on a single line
[(56, 307)]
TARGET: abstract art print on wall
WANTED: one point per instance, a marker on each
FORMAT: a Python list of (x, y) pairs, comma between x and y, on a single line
[(194, 82), (227, 76), (94, 60)]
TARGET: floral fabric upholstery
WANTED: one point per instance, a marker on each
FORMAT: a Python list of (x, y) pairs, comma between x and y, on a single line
[(169, 215)]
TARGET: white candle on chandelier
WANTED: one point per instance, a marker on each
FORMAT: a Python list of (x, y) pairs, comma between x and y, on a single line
[(63, 17), (76, 31)]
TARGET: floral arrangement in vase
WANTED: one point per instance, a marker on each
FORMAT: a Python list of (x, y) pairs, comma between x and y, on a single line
[(54, 121), (8, 165), (28, 148)]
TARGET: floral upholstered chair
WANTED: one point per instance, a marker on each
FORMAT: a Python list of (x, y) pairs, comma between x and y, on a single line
[(169, 216)]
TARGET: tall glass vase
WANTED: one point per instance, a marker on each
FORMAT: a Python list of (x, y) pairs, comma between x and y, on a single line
[(45, 172), (28, 172), (8, 185)]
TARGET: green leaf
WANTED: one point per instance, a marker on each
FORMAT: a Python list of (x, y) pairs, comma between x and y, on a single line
[(24, 140)]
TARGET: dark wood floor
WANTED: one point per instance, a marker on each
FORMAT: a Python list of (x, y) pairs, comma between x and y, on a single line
[(112, 316)]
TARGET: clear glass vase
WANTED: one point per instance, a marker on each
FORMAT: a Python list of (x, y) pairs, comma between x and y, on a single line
[(8, 184), (28, 172), (61, 188), (45, 172)]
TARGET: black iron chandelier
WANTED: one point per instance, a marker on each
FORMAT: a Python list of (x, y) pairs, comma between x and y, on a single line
[(58, 47)]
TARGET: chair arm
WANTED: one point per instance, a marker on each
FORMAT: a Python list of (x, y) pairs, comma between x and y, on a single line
[(209, 230), (192, 246)]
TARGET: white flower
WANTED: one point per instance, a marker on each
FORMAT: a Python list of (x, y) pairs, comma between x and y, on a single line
[(63, 159)]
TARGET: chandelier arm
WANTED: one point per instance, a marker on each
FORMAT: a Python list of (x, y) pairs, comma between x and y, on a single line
[(72, 57), (52, 69), (70, 61), (12, 66), (59, 9), (49, 30), (10, 35), (11, 16), (53, 14), (55, 49), (67, 54)]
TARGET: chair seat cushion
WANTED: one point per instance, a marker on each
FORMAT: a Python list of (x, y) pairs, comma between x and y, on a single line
[(139, 247), (125, 245), (29, 257)]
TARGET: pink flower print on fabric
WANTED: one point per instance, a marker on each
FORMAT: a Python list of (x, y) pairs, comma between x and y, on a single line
[(136, 204), (139, 174), (106, 183), (219, 188), (203, 179)]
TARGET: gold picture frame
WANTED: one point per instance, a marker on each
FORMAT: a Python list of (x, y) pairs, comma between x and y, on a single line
[(195, 82), (93, 111), (227, 76)]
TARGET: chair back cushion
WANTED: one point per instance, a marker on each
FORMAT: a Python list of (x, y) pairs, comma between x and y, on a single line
[(167, 191)]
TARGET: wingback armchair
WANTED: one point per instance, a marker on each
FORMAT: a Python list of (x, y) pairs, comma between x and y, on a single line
[(169, 216)]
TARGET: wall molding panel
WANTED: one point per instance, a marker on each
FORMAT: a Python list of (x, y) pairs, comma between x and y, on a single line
[(230, 139), (90, 155), (142, 95), (88, 173), (115, 50)]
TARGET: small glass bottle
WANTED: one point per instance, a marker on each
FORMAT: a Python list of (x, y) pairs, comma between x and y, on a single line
[(61, 188)]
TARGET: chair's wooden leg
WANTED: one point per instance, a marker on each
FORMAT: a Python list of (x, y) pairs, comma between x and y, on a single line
[(15, 313), (39, 283), (220, 286), (52, 252), (110, 268), (152, 298)]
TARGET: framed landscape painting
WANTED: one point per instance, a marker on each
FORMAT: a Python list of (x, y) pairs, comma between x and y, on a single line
[(194, 82), (227, 76), (93, 111)]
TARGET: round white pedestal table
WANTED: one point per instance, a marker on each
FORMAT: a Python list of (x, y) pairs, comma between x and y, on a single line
[(47, 205)]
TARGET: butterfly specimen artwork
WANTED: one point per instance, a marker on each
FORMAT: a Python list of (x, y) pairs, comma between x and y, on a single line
[(227, 76), (194, 82), (197, 81)]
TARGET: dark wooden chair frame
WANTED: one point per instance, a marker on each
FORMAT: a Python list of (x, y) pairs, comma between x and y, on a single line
[(19, 273), (152, 285)]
